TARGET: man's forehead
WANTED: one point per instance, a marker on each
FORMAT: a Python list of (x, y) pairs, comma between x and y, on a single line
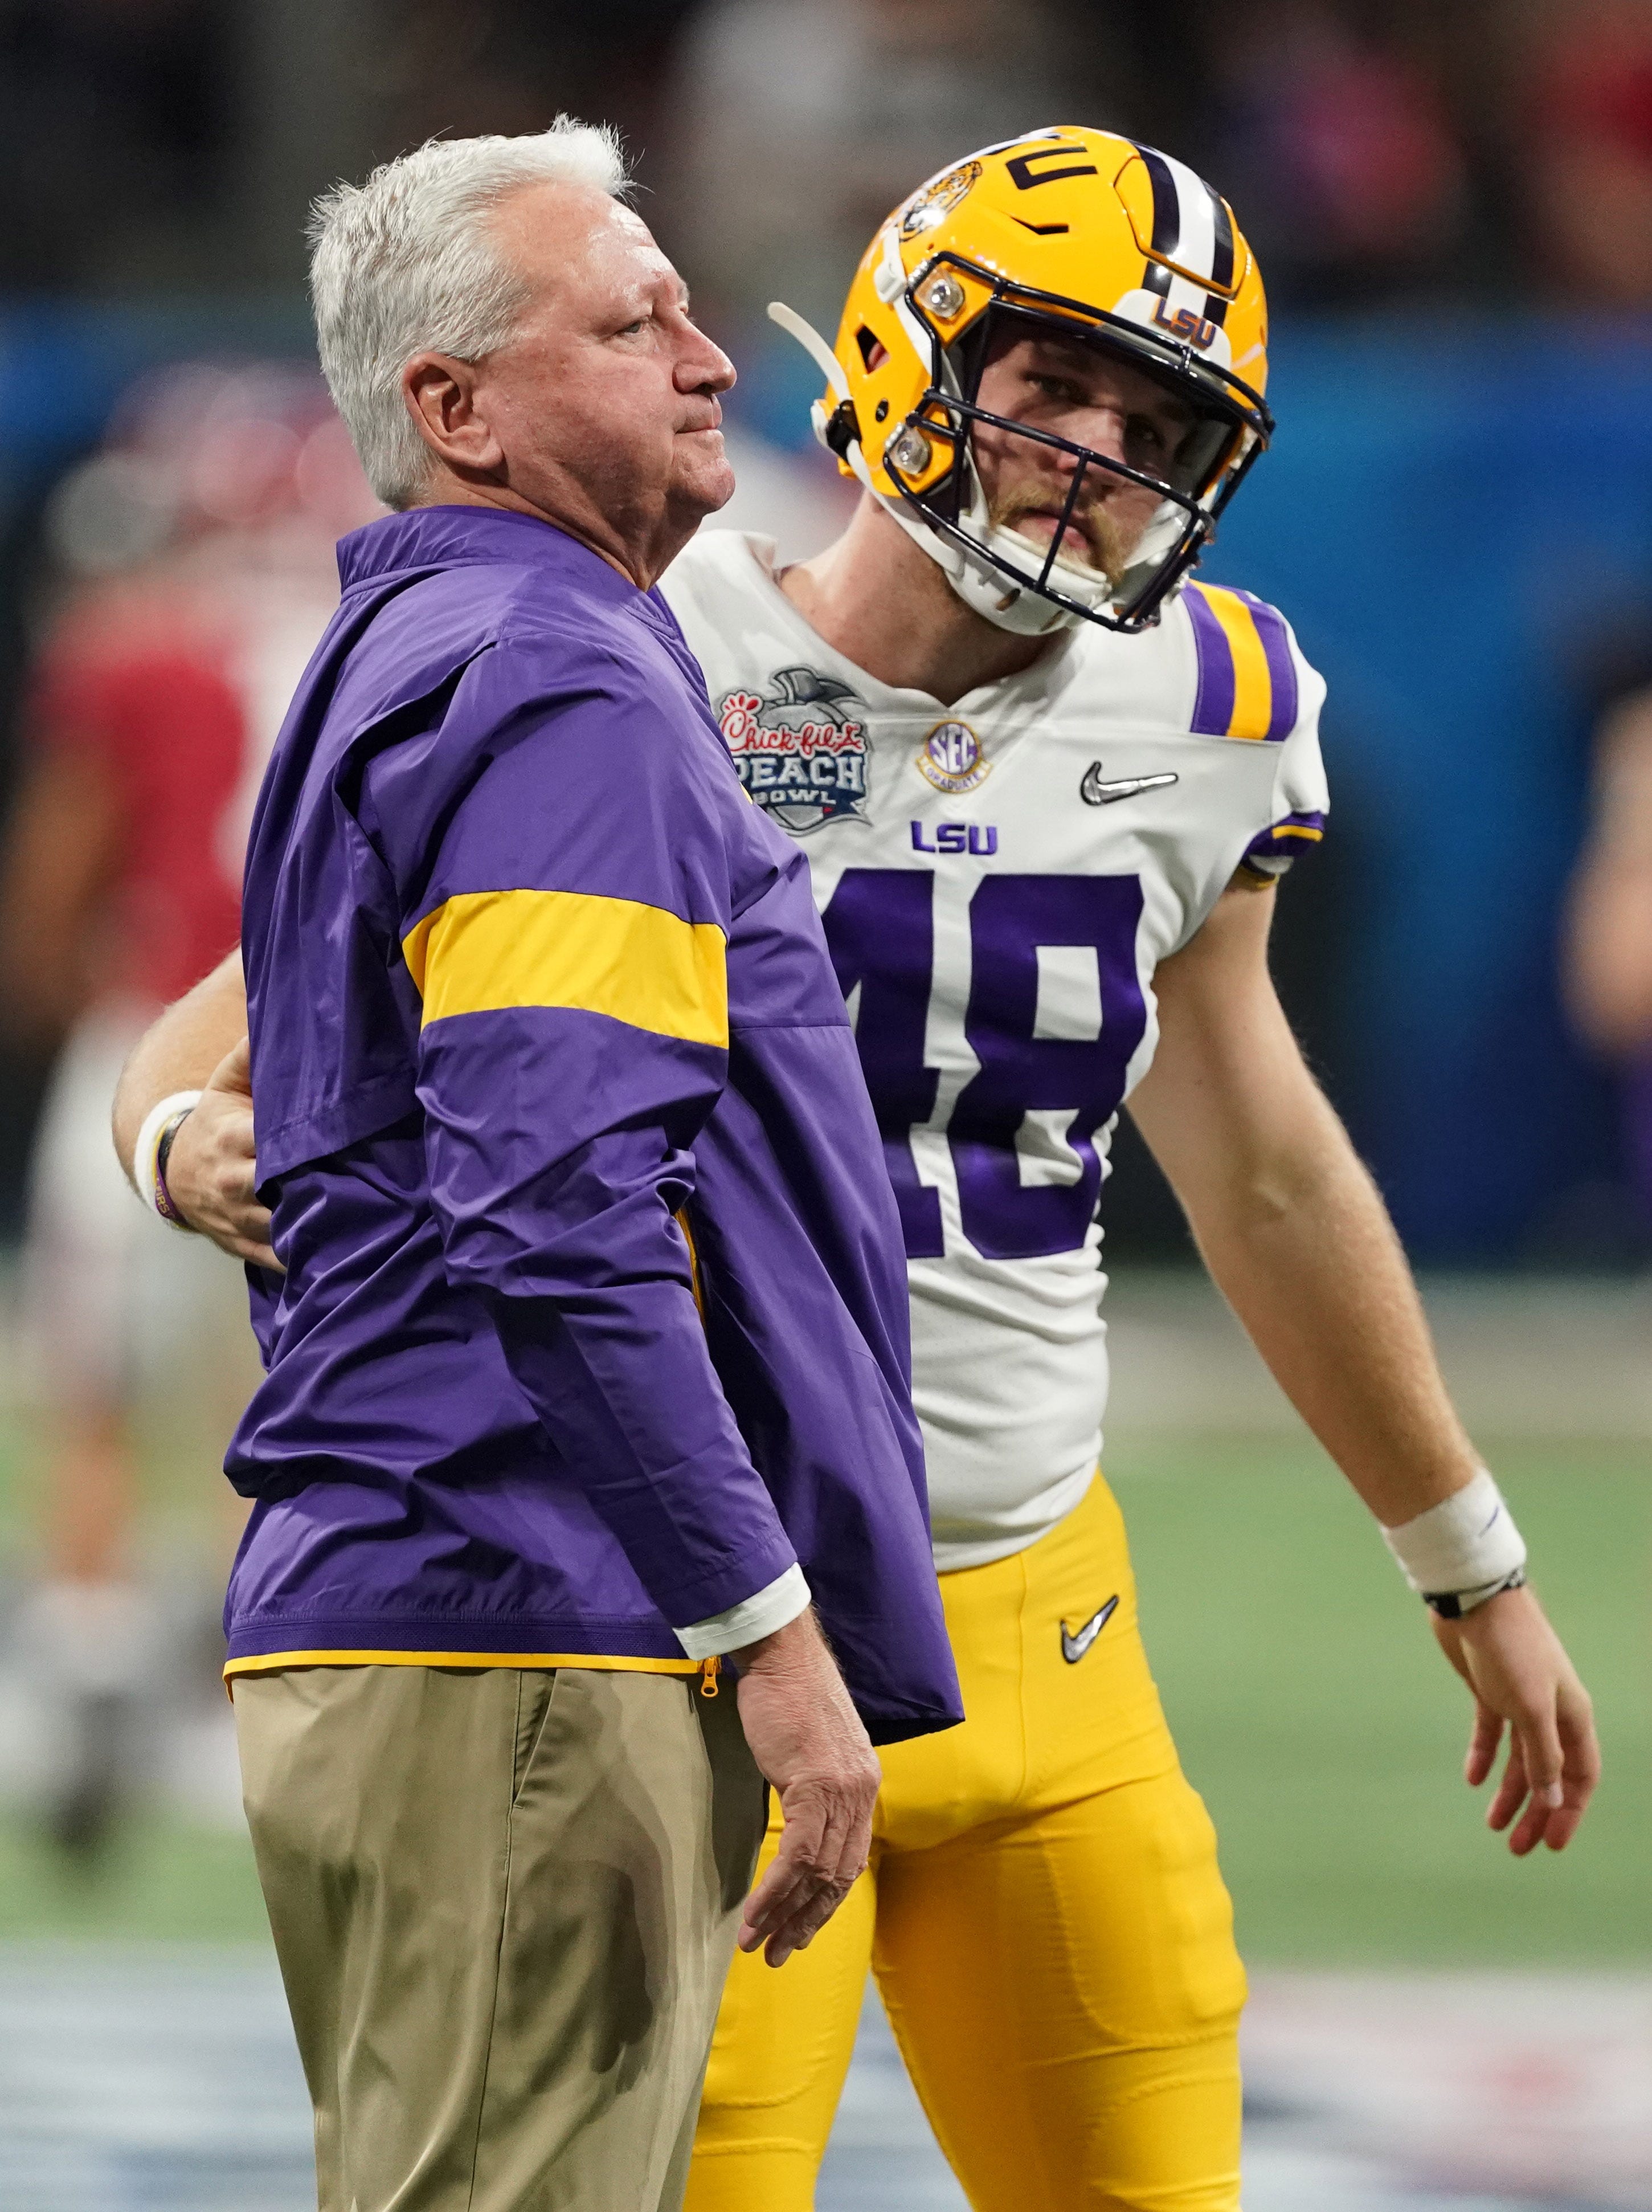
[(552, 225), (1081, 355), (630, 228)]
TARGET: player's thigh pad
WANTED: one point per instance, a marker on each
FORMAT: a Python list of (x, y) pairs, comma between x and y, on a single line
[(1066, 1994), (782, 2049), (1059, 1965)]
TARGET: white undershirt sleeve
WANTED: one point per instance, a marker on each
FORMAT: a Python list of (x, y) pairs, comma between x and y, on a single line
[(771, 1608)]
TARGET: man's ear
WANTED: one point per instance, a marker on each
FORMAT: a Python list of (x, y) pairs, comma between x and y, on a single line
[(440, 395)]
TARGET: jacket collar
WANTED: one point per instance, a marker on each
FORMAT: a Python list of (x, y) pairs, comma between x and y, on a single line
[(425, 538)]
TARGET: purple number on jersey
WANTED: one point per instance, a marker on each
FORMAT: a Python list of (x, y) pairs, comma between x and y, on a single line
[(1011, 918), (880, 928)]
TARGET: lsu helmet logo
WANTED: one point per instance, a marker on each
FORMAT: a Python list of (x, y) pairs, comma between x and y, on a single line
[(799, 748), (1193, 330)]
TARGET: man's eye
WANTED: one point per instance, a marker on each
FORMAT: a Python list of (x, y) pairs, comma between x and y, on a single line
[(1146, 433), (1057, 387)]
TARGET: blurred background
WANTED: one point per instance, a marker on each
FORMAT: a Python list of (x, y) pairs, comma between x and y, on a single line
[(1452, 205)]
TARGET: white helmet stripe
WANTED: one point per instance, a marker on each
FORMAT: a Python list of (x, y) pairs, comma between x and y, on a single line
[(1192, 228), (1194, 249)]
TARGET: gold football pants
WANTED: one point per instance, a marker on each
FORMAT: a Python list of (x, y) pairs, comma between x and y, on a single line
[(1043, 1912)]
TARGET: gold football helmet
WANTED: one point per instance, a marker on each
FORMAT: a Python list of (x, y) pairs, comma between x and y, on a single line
[(1066, 233)]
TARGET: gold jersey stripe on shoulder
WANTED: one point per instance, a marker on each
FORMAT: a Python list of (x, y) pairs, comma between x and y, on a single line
[(1247, 684), (481, 951)]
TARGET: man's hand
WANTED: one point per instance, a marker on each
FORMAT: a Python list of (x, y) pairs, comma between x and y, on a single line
[(807, 1739), (1520, 1676), (209, 1169)]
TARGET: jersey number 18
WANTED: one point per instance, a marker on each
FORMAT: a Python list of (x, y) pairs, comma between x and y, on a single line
[(880, 927)]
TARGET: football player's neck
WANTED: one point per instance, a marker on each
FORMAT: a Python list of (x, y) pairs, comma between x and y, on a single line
[(881, 602)]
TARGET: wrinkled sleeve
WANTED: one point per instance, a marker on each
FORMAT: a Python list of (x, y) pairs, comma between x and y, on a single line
[(569, 947)]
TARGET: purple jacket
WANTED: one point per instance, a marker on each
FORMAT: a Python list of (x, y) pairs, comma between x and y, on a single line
[(595, 1308)]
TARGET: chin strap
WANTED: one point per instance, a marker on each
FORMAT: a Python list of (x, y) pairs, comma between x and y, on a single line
[(789, 320), (813, 344)]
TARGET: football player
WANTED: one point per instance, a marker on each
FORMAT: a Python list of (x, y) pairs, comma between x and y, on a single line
[(1048, 784)]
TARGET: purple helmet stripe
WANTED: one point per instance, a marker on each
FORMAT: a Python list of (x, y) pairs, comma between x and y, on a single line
[(1222, 259), (1281, 666), (1216, 303), (1167, 204), (1213, 702)]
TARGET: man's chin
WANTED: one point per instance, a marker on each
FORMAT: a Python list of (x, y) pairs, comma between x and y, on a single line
[(704, 480)]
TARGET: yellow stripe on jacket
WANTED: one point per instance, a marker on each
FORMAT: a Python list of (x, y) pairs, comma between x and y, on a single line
[(482, 950), (1253, 686), (276, 1662)]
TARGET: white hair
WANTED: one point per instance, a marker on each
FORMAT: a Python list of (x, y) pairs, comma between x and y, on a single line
[(403, 265)]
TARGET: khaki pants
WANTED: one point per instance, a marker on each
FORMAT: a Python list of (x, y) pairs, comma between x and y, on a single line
[(504, 1903)]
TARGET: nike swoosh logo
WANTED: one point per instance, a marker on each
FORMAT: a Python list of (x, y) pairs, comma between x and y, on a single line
[(1095, 791), (1073, 1648)]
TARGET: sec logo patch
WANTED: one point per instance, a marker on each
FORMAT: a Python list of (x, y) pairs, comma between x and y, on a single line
[(799, 748), (950, 758)]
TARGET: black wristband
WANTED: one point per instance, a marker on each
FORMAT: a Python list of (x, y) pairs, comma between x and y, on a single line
[(1450, 1604)]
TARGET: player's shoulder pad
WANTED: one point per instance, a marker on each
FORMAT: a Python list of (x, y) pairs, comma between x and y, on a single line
[(1251, 680)]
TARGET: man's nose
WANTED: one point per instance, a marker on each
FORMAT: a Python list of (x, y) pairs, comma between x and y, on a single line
[(704, 367), (1063, 466), (1103, 433), (1098, 431)]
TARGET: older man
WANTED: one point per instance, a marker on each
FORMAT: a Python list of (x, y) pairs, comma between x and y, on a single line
[(593, 1315)]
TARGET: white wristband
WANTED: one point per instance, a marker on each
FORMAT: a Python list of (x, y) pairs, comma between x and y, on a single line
[(149, 1140), (761, 1614), (1467, 1546)]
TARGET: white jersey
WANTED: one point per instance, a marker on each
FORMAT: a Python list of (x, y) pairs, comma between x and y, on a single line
[(999, 879)]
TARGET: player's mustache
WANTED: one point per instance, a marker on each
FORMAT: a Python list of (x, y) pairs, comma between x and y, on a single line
[(1106, 547)]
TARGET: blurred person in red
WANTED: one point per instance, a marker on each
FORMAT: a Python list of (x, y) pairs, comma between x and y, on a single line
[(1607, 955), (1587, 108), (194, 550)]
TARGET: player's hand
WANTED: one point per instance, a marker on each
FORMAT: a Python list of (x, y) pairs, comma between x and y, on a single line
[(807, 1739), (209, 1169), (1517, 1669)]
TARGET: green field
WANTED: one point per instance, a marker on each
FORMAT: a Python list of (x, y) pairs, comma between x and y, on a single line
[(1316, 1715), (1311, 1706)]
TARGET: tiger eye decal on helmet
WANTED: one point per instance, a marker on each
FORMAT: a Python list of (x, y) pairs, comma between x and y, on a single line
[(937, 200), (1065, 237)]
